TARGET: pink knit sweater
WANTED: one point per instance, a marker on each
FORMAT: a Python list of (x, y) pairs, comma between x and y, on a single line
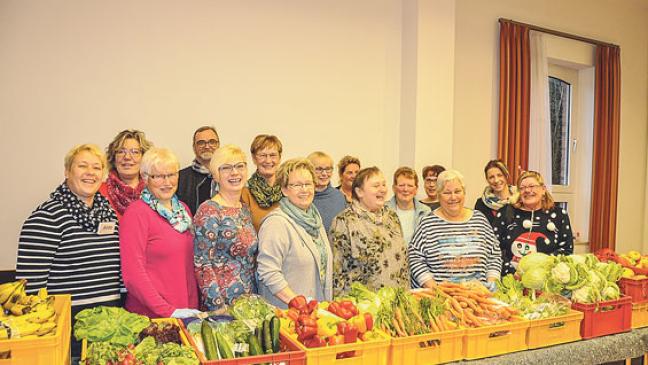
[(157, 263)]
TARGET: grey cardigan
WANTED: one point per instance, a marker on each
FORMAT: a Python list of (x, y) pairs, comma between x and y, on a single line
[(288, 257)]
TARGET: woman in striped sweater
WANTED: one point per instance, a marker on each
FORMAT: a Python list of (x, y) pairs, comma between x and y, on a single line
[(454, 243), (69, 244)]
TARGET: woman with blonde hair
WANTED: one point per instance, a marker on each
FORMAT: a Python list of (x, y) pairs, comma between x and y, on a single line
[(225, 242), (533, 224), (294, 253), (72, 237), (124, 185)]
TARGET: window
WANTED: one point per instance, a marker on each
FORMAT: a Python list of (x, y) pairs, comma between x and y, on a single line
[(560, 114)]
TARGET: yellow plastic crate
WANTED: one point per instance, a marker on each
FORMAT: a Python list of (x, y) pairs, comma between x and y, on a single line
[(552, 331), (48, 350), (433, 348), (495, 340), (373, 352), (183, 337), (639, 315)]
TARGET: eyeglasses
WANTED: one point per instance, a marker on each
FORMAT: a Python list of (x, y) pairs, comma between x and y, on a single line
[(529, 187), (134, 152), (431, 180), (266, 156), (319, 170), (212, 143), (304, 186), (161, 177), (228, 169)]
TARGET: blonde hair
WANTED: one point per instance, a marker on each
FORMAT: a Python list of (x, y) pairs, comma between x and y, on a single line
[(408, 172), (319, 155), (118, 142), (293, 165), (547, 199), (263, 141), (447, 176), (226, 153), (88, 147), (156, 157)]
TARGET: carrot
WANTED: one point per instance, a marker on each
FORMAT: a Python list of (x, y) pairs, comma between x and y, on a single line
[(434, 326), (399, 331), (399, 319)]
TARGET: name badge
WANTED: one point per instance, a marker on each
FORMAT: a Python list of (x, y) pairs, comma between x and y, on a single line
[(106, 228)]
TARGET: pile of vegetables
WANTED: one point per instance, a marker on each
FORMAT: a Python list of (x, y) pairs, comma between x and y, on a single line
[(547, 305), (583, 278), (250, 329), (328, 324), (118, 337)]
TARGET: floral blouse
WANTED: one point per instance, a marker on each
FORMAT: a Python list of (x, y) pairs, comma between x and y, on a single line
[(368, 248), (225, 251)]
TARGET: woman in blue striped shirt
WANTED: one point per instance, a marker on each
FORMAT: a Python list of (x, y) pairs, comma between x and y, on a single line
[(454, 243)]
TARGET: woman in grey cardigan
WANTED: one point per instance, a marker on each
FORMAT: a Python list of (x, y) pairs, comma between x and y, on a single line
[(294, 253)]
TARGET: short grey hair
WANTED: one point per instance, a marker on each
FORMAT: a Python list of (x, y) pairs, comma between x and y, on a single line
[(157, 157), (447, 176)]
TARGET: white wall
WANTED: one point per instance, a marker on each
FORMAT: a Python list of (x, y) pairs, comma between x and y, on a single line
[(334, 75)]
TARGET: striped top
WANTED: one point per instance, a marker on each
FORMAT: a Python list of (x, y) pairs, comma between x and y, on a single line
[(454, 251), (55, 252)]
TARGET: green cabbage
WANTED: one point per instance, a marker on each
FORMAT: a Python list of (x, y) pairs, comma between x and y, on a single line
[(534, 278), (561, 273), (534, 260)]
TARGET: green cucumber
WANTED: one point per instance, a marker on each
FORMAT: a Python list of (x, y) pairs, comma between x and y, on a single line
[(211, 350), (255, 346), (267, 337), (274, 327), (224, 347)]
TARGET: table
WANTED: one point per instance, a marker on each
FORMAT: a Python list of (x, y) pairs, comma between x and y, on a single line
[(599, 350)]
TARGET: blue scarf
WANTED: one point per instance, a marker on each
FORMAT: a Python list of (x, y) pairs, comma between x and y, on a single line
[(177, 216)]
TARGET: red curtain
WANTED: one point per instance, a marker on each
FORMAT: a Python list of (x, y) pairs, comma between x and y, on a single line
[(514, 101), (605, 167)]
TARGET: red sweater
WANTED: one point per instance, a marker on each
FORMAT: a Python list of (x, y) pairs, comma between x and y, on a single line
[(157, 263)]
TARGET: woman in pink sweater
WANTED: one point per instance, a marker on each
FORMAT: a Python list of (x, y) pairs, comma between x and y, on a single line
[(157, 245)]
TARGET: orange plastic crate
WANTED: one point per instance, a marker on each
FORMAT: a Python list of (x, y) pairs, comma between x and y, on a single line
[(637, 289), (639, 315), (48, 350), (552, 331), (375, 352), (433, 348), (605, 318), (495, 340), (287, 356)]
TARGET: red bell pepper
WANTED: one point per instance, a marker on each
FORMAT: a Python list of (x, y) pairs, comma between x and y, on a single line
[(315, 341), (369, 321), (335, 340), (340, 311), (312, 305), (298, 302), (349, 331), (306, 327), (348, 305)]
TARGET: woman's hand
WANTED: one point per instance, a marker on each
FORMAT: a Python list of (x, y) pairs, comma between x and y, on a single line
[(430, 284)]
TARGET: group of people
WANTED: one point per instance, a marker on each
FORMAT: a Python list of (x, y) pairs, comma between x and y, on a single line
[(166, 242)]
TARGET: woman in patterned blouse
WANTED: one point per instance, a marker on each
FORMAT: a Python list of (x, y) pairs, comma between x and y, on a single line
[(367, 240), (225, 242)]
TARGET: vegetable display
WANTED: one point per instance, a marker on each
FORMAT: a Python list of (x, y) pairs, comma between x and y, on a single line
[(109, 324), (583, 278), (511, 291)]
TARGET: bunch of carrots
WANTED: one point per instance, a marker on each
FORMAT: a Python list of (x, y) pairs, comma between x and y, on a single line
[(470, 305)]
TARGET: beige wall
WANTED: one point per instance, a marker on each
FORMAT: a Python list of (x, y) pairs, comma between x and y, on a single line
[(342, 76), (476, 77)]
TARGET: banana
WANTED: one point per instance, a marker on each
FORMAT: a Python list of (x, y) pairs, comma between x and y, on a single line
[(23, 329), (42, 293), (19, 309), (46, 328), (13, 300), (5, 332), (7, 289)]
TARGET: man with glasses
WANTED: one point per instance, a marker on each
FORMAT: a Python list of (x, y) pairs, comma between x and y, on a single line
[(328, 200), (195, 184)]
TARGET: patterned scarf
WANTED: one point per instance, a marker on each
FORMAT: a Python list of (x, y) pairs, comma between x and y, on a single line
[(264, 194), (311, 222), (177, 216), (377, 218), (120, 194), (88, 217), (494, 202), (199, 168)]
